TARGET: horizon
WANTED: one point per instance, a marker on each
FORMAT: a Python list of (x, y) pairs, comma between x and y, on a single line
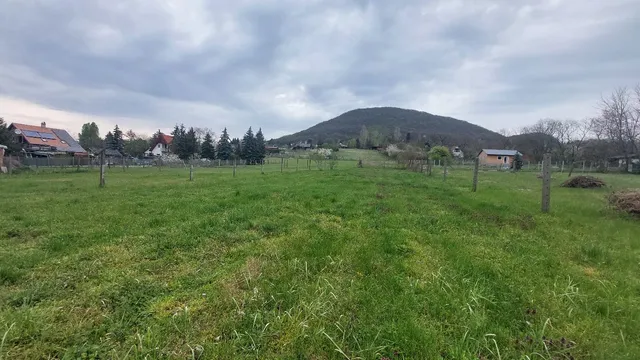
[(286, 66)]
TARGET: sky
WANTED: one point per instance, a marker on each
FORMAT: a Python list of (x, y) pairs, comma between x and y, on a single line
[(285, 65)]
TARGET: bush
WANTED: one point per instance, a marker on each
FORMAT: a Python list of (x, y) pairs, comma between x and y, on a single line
[(517, 162), (585, 182)]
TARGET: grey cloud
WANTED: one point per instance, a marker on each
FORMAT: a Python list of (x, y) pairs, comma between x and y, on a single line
[(286, 65)]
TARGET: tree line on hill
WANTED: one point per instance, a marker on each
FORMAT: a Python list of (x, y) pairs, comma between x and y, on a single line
[(187, 143)]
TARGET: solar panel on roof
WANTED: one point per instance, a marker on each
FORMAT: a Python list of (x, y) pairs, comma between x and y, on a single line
[(30, 133), (47, 136)]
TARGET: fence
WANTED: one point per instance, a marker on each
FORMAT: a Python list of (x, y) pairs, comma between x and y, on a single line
[(65, 163)]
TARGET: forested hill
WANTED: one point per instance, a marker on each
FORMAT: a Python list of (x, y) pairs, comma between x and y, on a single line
[(386, 123)]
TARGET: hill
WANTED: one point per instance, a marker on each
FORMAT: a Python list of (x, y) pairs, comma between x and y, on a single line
[(383, 122)]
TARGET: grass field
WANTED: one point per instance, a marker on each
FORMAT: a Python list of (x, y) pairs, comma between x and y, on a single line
[(351, 263)]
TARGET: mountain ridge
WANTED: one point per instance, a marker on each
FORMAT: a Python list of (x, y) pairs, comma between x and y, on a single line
[(383, 121)]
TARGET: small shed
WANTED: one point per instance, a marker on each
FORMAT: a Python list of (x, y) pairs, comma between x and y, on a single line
[(497, 157)]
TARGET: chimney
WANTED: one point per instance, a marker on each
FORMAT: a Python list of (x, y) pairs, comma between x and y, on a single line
[(43, 124)]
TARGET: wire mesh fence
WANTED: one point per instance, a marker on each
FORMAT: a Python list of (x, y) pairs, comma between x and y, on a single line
[(18, 164)]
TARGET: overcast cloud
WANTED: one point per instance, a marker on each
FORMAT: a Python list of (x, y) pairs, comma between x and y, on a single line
[(285, 65)]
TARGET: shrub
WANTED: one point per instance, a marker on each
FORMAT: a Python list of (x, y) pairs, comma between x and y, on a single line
[(440, 153), (517, 162)]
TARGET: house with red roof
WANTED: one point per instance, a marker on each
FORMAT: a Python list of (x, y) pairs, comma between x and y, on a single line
[(161, 145), (45, 141)]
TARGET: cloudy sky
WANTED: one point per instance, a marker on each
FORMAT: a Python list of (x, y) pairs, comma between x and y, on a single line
[(285, 65)]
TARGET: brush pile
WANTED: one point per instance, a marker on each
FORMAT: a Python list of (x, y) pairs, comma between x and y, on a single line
[(626, 200), (585, 182)]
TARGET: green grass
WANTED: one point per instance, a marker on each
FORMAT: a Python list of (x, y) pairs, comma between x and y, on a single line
[(349, 263), (362, 154)]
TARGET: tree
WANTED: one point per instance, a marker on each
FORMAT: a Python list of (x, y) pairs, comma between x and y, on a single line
[(236, 146), (364, 136), (136, 147), (192, 145), (407, 139), (517, 162), (89, 136), (440, 153), (397, 135), (207, 149), (358, 144), (619, 121), (109, 142), (260, 145), (201, 132), (118, 141), (180, 145), (352, 143), (224, 151), (7, 138), (131, 135), (249, 147)]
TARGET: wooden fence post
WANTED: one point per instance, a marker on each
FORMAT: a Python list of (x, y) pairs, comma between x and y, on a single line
[(235, 163), (562, 168), (281, 164), (297, 162), (476, 166), (444, 173), (191, 172), (102, 169), (10, 166), (583, 163), (546, 183), (590, 166), (262, 167)]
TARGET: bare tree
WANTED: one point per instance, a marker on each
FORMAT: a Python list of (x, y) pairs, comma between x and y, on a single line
[(575, 133), (201, 132), (542, 137), (619, 121)]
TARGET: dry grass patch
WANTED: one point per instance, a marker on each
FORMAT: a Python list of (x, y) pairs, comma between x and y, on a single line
[(626, 200)]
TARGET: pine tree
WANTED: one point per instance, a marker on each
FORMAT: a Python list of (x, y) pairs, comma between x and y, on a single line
[(223, 149), (517, 162), (236, 147), (260, 146), (207, 149), (248, 147), (180, 145), (109, 141), (190, 144), (118, 141), (176, 139)]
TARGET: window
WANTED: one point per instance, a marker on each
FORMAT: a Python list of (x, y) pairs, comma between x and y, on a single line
[(499, 157)]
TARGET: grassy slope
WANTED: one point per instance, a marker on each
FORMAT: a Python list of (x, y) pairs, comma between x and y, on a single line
[(365, 262)]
